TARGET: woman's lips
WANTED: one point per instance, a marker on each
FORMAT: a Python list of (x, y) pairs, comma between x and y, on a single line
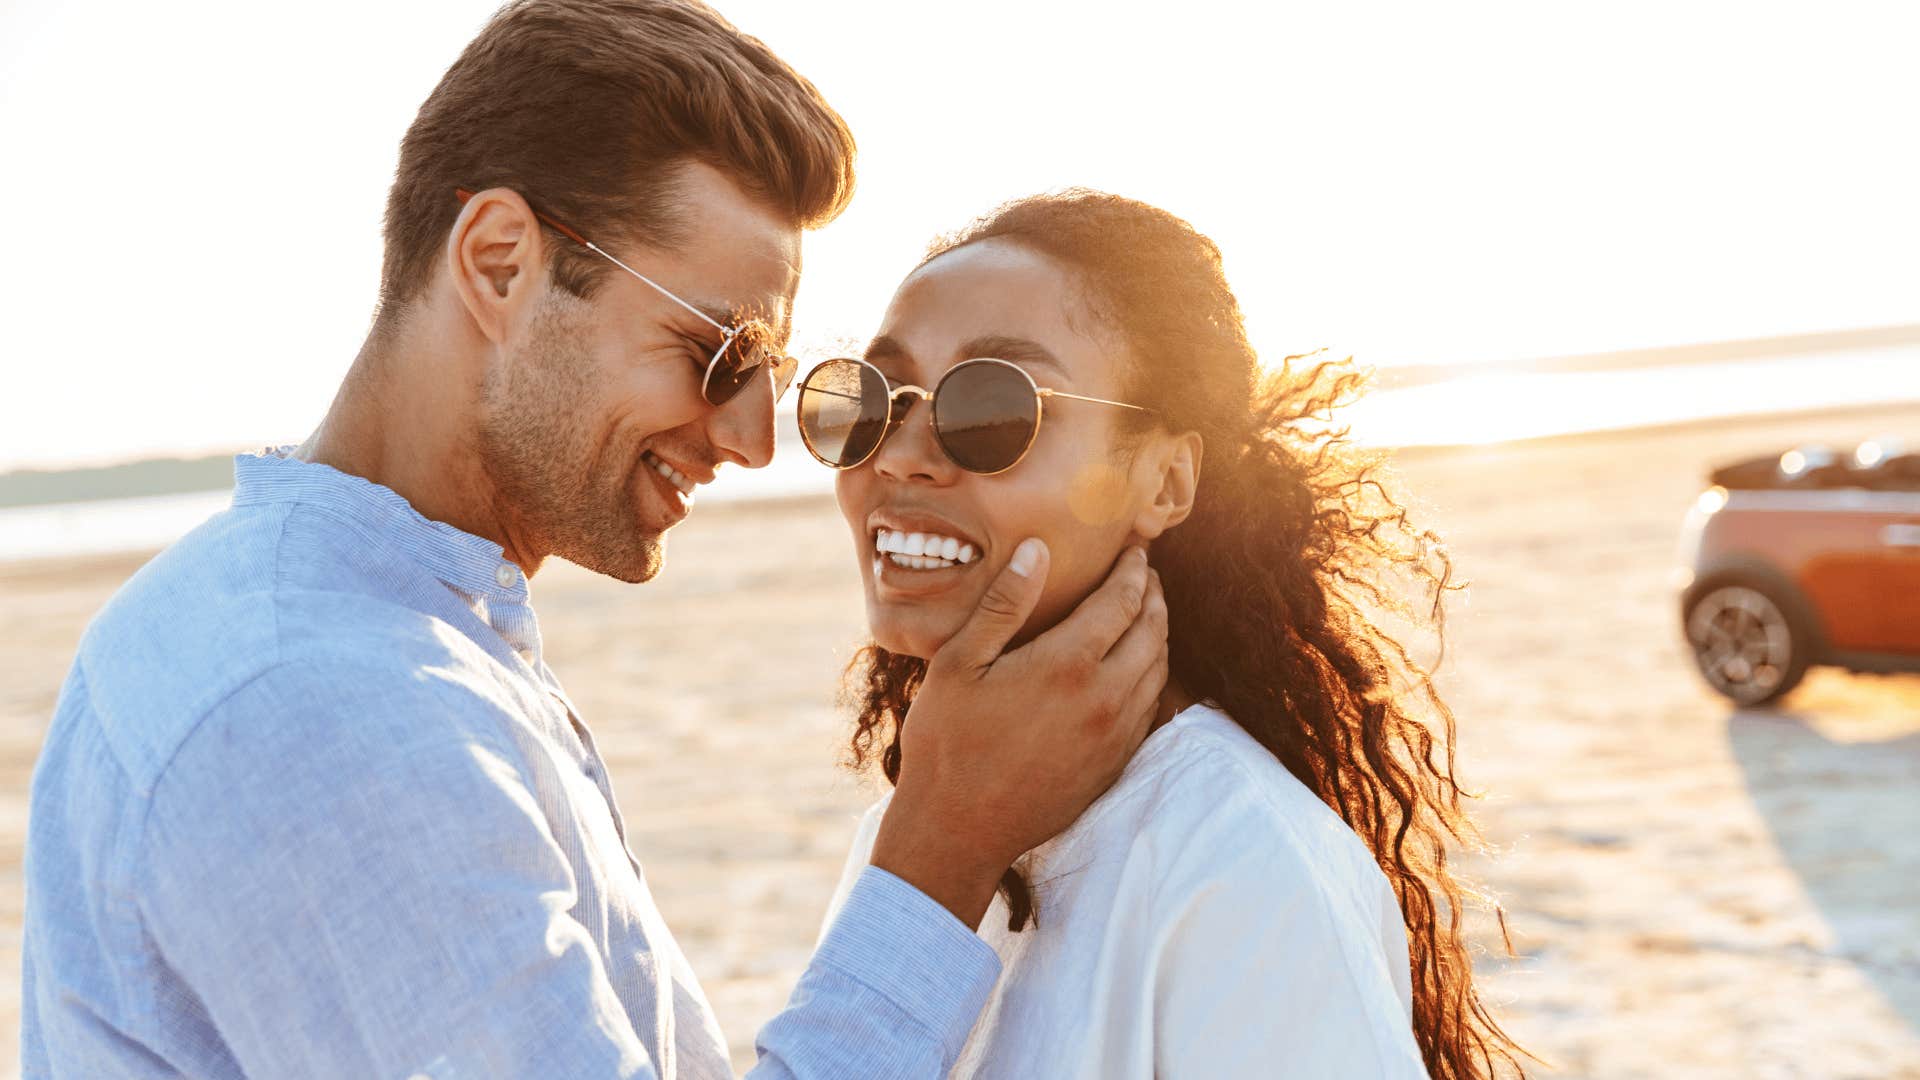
[(918, 551), (919, 563)]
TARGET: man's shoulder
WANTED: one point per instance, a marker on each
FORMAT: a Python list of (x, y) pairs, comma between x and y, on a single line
[(217, 613)]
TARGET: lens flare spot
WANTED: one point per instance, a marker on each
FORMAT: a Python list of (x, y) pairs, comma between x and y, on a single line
[(1098, 495)]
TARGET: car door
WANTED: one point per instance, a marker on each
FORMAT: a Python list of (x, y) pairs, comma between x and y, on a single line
[(1863, 574)]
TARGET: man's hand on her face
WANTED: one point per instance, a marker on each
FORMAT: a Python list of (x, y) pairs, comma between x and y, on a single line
[(1004, 750)]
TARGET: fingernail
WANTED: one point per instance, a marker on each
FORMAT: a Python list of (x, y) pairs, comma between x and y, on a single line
[(1141, 552), (1024, 557)]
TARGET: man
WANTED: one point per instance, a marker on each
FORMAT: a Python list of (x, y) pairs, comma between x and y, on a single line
[(312, 803)]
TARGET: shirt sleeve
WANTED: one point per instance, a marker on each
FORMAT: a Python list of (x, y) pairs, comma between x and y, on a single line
[(1269, 957), (897, 977), (893, 990)]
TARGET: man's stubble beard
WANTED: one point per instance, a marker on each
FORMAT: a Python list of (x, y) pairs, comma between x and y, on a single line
[(563, 490)]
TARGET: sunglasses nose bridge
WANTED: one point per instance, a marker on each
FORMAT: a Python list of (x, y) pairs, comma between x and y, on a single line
[(901, 403), (909, 453)]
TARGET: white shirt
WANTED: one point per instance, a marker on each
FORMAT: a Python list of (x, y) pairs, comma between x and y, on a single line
[(1207, 917)]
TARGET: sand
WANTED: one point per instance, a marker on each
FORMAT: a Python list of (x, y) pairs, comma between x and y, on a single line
[(1694, 891)]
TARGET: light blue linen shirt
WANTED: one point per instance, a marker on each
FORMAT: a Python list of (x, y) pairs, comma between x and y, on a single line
[(312, 805)]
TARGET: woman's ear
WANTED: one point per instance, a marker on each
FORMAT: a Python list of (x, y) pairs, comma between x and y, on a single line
[(494, 254), (1175, 469)]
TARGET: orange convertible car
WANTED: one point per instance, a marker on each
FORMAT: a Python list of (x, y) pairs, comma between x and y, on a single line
[(1811, 557)]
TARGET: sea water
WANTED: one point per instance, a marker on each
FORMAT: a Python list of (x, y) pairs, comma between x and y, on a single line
[(1475, 409)]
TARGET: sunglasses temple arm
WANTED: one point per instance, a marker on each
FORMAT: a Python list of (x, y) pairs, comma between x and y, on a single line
[(1097, 401), (661, 289)]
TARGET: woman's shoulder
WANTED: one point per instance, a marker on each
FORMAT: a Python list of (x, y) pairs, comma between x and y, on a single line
[(1215, 806), (1203, 765), (869, 826)]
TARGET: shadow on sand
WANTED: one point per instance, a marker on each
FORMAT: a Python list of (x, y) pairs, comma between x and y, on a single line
[(1847, 817)]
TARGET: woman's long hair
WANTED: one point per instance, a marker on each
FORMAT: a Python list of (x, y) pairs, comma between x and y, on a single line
[(1283, 586)]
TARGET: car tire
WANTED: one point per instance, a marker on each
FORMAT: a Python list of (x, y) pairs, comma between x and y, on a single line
[(1750, 638)]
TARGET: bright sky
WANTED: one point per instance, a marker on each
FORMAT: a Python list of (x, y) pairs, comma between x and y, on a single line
[(193, 192)]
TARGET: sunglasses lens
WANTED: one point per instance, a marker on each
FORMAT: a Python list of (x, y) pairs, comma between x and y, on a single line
[(985, 414), (739, 361), (843, 412)]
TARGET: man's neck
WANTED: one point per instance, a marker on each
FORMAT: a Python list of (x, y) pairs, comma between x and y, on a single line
[(406, 418)]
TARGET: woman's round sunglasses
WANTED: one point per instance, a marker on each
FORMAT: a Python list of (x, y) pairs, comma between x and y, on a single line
[(986, 412), (743, 349)]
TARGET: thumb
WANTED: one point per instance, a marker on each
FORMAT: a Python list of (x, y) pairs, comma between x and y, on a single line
[(1003, 610)]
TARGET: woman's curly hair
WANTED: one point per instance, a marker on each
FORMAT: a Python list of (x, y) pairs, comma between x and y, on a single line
[(1284, 587)]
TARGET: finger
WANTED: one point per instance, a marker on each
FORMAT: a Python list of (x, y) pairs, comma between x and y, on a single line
[(1130, 728), (1002, 610), (1091, 631), (1142, 703), (1133, 718), (1149, 625), (1142, 648)]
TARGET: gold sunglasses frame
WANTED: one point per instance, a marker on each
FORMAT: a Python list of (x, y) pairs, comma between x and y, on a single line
[(894, 419)]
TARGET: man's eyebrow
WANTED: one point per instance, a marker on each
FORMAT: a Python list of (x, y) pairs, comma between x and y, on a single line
[(741, 315), (781, 329), (1018, 350), (694, 327)]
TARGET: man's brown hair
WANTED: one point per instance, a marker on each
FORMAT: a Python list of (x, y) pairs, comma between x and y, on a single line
[(587, 108)]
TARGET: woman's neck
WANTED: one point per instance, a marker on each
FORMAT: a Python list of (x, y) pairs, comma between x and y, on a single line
[(1174, 700)]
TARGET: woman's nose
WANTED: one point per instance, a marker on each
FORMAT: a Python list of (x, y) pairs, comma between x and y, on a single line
[(910, 451)]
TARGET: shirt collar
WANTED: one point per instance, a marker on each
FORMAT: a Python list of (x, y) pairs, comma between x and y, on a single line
[(472, 564)]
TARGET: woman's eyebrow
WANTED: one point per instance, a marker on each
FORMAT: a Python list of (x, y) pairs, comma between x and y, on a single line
[(884, 348), (1018, 350)]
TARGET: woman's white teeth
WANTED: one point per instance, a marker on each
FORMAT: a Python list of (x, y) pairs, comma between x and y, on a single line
[(673, 475), (917, 563), (922, 551)]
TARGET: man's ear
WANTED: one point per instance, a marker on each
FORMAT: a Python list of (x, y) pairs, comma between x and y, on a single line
[(1176, 467), (495, 253)]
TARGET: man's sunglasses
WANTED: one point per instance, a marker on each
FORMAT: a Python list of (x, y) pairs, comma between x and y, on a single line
[(742, 352), (986, 412)]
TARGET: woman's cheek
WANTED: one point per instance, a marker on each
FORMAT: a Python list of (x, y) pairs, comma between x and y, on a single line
[(1098, 494)]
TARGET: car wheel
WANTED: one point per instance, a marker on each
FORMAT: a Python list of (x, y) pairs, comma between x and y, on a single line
[(1746, 643)]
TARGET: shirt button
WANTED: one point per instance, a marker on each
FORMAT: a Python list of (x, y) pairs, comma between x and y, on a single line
[(504, 574)]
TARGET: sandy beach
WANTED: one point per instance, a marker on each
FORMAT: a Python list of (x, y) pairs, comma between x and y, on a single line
[(1693, 891)]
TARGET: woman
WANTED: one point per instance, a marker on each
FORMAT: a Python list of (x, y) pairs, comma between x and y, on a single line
[(1265, 891)]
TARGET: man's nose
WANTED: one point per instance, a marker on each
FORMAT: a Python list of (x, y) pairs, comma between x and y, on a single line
[(742, 429)]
